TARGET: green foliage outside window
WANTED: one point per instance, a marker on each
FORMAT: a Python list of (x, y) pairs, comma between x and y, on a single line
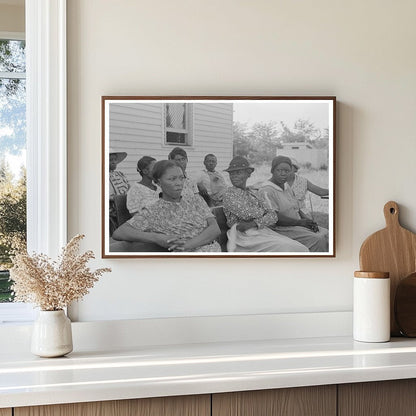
[(12, 223), (12, 144), (5, 292)]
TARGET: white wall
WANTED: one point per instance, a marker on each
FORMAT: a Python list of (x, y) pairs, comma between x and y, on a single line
[(363, 52)]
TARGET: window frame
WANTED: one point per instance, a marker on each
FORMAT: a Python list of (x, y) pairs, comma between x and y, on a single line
[(46, 138), (189, 125)]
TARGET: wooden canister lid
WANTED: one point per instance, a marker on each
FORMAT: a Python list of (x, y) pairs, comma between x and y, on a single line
[(372, 275)]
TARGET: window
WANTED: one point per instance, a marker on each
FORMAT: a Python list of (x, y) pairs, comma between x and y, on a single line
[(46, 136), (177, 123), (12, 155)]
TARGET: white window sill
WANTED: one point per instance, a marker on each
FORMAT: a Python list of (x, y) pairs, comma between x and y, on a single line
[(16, 313)]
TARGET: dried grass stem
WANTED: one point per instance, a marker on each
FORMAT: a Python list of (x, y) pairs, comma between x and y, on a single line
[(53, 285)]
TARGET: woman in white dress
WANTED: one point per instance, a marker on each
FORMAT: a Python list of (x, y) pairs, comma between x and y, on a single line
[(293, 222), (143, 193)]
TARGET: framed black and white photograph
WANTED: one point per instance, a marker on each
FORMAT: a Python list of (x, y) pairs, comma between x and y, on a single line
[(218, 176)]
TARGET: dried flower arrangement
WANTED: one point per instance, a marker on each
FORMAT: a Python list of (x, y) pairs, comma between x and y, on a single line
[(53, 285)]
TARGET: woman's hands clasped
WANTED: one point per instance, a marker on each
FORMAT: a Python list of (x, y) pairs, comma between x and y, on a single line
[(171, 242), (166, 240), (310, 224)]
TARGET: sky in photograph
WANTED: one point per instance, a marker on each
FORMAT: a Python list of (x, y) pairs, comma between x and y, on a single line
[(287, 111)]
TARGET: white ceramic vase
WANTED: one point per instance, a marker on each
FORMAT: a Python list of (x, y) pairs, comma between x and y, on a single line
[(52, 334)]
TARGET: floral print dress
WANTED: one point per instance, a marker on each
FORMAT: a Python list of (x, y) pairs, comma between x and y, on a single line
[(119, 185), (245, 205), (185, 219)]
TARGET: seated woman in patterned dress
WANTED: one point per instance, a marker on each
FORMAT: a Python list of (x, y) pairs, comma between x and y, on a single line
[(249, 218), (173, 222), (143, 193)]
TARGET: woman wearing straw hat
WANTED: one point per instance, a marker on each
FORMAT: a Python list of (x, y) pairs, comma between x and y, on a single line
[(249, 219), (119, 184)]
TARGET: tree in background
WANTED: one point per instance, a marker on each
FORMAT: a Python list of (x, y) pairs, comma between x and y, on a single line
[(260, 141), (265, 138), (241, 140), (322, 142), (12, 213), (12, 223), (12, 98), (302, 131), (12, 142)]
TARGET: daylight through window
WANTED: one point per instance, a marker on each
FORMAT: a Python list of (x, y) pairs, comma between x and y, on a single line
[(12, 155)]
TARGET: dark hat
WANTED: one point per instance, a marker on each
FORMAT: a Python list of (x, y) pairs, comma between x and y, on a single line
[(278, 160), (239, 163), (120, 155)]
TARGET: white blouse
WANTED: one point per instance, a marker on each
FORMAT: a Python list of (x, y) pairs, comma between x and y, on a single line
[(140, 196)]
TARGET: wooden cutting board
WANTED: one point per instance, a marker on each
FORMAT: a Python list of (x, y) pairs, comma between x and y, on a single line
[(393, 250)]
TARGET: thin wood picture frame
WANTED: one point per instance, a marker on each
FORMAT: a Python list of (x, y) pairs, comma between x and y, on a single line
[(284, 148)]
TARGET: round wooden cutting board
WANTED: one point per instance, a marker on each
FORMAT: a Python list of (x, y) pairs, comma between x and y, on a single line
[(405, 305), (393, 250)]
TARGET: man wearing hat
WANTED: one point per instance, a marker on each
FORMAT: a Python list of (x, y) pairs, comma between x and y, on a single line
[(249, 219)]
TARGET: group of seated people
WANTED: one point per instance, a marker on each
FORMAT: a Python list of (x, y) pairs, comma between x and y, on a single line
[(171, 210)]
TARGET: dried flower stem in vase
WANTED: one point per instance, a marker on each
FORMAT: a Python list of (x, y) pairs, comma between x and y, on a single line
[(53, 285)]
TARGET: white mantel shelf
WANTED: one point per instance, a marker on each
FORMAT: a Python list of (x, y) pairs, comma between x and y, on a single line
[(167, 370)]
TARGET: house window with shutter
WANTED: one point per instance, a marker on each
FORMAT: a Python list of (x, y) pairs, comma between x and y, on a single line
[(177, 123)]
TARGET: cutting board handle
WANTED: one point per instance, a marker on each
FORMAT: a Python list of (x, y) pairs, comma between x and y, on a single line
[(391, 214)]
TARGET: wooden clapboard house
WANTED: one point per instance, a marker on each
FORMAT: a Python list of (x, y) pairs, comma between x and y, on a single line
[(155, 128)]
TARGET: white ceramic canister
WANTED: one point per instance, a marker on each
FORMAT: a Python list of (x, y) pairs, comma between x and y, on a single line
[(371, 310)]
